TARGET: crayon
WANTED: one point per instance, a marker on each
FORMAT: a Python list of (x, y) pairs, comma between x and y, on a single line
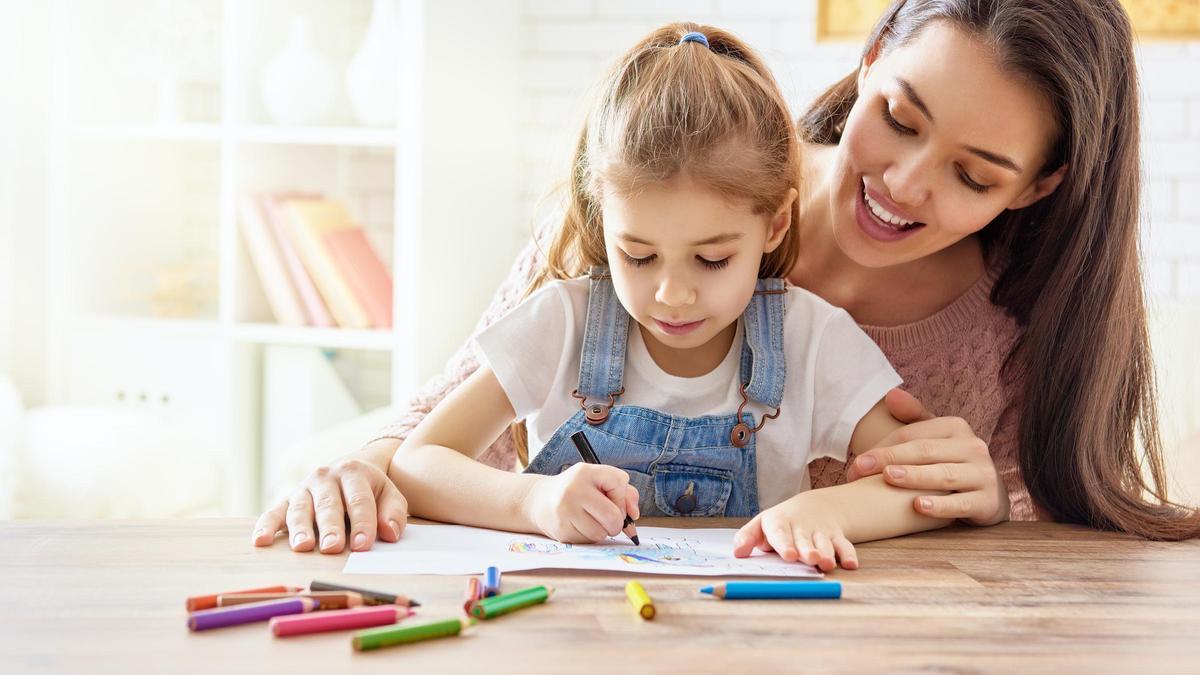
[(338, 619), (499, 605), (198, 602), (589, 455), (369, 597), (640, 600), (388, 636), (474, 592), (754, 590), (325, 599), (221, 617), (491, 582)]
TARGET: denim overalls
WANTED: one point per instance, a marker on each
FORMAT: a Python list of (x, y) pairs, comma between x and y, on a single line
[(702, 466)]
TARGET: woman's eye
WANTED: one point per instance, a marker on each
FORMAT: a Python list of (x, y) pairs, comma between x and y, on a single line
[(713, 264), (972, 185), (638, 262), (893, 123)]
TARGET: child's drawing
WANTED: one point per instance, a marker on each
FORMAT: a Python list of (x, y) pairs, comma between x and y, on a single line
[(661, 551)]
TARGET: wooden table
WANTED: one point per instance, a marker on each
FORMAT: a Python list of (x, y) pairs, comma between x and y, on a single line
[(108, 596)]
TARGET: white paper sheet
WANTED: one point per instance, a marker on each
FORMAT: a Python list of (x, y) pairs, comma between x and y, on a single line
[(455, 549)]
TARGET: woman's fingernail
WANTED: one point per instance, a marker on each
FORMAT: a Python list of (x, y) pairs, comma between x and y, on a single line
[(299, 538), (328, 540), (360, 540), (926, 503), (897, 472), (866, 462)]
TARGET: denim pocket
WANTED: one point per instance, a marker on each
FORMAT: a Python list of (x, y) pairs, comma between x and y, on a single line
[(683, 490)]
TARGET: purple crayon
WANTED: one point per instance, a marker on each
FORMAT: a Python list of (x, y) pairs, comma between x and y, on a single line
[(249, 613)]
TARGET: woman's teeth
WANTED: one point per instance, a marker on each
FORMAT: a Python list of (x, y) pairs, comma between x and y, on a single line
[(886, 216)]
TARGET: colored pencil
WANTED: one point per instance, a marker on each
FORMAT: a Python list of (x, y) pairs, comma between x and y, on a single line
[(388, 636), (491, 582), (767, 590), (221, 617), (640, 600), (338, 619), (369, 597), (199, 602), (499, 605), (325, 599), (474, 592), (589, 455)]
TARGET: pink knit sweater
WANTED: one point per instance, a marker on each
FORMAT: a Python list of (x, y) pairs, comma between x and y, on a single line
[(950, 361)]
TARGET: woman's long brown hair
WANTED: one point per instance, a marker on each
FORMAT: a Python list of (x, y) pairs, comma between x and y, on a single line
[(1088, 413), (713, 113)]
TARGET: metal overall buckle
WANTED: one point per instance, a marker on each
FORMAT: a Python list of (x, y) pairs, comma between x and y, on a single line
[(741, 433), (597, 413)]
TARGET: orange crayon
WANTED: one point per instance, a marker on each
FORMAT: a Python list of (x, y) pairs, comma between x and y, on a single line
[(198, 602)]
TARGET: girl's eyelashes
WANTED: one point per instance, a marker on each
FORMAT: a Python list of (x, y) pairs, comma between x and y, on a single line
[(638, 262), (908, 131), (713, 264)]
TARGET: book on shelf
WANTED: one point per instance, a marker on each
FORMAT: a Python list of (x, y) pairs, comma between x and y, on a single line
[(273, 207), (310, 222), (268, 263), (368, 277)]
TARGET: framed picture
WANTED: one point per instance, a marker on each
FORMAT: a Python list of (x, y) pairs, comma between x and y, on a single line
[(851, 20)]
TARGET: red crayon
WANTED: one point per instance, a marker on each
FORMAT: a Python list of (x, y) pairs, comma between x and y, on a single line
[(474, 592)]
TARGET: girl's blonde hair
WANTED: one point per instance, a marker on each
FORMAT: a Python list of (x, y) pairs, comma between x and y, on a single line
[(670, 108)]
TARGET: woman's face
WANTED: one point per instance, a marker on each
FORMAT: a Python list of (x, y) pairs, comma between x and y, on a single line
[(939, 142)]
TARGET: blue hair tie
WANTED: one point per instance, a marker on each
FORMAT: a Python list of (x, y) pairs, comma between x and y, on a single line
[(694, 37)]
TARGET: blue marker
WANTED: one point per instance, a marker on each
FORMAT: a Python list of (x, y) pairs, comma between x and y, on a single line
[(775, 590), (491, 582)]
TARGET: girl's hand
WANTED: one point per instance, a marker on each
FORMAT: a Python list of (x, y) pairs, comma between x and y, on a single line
[(585, 504), (805, 528), (937, 453), (359, 487)]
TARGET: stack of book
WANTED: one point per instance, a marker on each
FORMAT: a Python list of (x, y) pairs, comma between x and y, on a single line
[(316, 265)]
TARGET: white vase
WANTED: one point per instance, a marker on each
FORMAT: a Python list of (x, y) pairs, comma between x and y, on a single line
[(372, 78), (298, 85)]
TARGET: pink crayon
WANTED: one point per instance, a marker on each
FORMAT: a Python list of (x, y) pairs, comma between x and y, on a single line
[(248, 613), (342, 619)]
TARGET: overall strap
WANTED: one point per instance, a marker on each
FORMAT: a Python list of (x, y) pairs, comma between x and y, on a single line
[(763, 365), (605, 337)]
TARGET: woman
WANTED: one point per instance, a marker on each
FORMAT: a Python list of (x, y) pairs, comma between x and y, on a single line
[(971, 198)]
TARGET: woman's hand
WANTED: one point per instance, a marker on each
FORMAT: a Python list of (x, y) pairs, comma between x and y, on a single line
[(937, 453), (353, 486)]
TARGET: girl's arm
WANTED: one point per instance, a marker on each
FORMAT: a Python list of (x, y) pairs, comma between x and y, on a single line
[(436, 470), (820, 527)]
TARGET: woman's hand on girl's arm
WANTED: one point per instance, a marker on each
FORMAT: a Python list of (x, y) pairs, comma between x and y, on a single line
[(356, 485), (936, 454)]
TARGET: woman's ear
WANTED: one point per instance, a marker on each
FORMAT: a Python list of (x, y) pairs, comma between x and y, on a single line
[(781, 220), (1039, 188)]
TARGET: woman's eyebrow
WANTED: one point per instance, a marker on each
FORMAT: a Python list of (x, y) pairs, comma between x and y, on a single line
[(994, 158)]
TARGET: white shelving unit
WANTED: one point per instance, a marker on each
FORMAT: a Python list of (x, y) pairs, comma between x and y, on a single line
[(152, 298)]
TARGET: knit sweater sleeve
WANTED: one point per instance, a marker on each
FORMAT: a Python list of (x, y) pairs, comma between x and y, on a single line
[(464, 362), (1003, 448)]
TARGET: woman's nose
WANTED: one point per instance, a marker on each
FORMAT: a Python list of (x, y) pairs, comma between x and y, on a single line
[(907, 181)]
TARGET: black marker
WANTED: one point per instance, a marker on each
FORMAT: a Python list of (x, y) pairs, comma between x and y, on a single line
[(589, 456)]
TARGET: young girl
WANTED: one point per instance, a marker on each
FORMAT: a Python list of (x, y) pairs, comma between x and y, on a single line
[(705, 383)]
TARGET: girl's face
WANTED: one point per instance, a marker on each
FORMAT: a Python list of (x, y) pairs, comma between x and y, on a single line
[(939, 142), (685, 260)]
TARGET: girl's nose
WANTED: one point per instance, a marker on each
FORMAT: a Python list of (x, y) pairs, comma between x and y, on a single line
[(675, 290)]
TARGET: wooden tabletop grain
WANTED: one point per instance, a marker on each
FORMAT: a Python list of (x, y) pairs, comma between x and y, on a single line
[(108, 596)]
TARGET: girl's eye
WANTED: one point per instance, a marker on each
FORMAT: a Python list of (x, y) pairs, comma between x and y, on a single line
[(713, 264), (894, 124), (972, 185), (638, 262)]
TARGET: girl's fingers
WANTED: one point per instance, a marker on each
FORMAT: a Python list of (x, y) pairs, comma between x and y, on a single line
[(749, 537), (361, 507), (331, 514), (631, 502), (269, 523), (779, 535), (824, 551), (846, 554), (300, 521), (951, 477), (806, 553), (392, 513), (608, 517)]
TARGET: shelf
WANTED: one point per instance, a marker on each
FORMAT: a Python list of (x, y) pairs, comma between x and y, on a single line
[(375, 137), (149, 324), (309, 336), (149, 132)]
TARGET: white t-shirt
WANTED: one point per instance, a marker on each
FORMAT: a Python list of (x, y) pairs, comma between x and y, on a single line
[(835, 375)]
